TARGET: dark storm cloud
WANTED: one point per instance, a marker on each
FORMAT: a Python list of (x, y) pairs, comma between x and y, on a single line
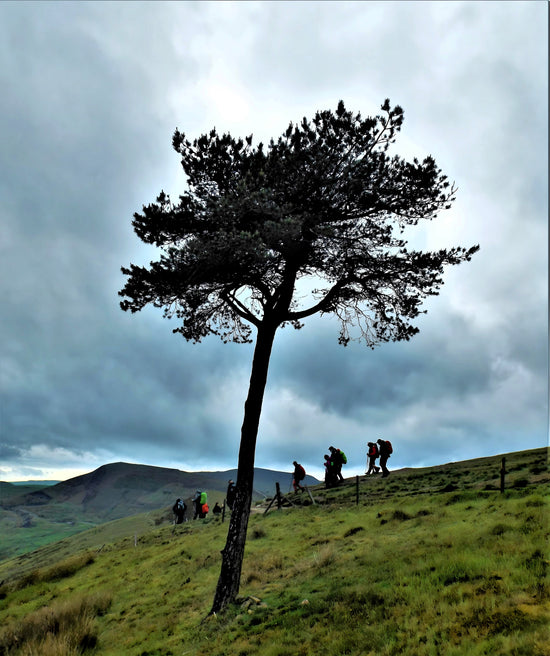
[(92, 95), (9, 452)]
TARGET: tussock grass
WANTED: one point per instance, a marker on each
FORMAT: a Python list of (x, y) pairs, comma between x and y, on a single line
[(64, 628), (61, 570)]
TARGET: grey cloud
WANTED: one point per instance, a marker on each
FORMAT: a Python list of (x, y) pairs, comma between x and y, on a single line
[(9, 452), (439, 361), (94, 93)]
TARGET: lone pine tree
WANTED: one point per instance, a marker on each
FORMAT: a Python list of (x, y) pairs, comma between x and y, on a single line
[(325, 201)]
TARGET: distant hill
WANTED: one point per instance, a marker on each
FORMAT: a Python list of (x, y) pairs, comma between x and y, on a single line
[(31, 517), (8, 490), (35, 483), (121, 489)]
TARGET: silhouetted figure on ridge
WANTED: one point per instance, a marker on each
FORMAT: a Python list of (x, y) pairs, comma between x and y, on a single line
[(179, 509), (372, 455), (230, 494), (299, 475), (386, 449)]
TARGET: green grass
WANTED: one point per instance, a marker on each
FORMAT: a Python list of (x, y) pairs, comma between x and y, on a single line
[(413, 573)]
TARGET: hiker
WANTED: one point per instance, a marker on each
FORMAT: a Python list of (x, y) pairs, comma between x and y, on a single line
[(338, 457), (200, 504), (216, 509), (372, 454), (386, 450), (230, 494), (330, 472), (196, 500), (299, 475), (179, 509)]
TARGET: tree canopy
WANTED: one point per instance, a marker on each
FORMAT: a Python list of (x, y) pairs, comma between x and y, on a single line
[(325, 201)]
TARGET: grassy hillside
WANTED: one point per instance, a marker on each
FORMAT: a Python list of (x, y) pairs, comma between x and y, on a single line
[(411, 569), (31, 517)]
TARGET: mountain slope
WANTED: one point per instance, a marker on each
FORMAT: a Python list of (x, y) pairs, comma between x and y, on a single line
[(113, 491)]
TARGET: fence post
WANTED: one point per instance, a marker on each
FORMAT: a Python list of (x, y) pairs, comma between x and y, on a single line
[(310, 495), (502, 474), (357, 490), (279, 500), (223, 510)]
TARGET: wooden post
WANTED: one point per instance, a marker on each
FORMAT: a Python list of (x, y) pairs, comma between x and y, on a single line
[(357, 490), (502, 474), (223, 510), (280, 498), (310, 495)]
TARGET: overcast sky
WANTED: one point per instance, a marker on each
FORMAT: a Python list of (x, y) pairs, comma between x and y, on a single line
[(91, 94)]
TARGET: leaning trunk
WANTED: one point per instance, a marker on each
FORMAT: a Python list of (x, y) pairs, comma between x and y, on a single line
[(233, 552)]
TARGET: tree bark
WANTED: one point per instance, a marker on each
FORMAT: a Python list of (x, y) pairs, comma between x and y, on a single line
[(233, 552)]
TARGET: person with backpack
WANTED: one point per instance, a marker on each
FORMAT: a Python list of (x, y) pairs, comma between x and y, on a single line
[(386, 449), (372, 455), (299, 475), (331, 479), (204, 505), (179, 509), (196, 501), (338, 457), (200, 504), (230, 494)]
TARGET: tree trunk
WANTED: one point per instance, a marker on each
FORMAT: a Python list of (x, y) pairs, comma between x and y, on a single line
[(233, 552)]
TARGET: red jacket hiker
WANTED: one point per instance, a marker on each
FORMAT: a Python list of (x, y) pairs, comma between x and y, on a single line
[(372, 454), (299, 475)]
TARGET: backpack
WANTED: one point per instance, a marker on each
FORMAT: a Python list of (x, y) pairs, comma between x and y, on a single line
[(205, 508), (389, 447), (300, 473), (204, 498), (343, 457)]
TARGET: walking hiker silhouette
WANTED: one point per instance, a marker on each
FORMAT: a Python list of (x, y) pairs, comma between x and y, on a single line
[(338, 457), (299, 475), (331, 480), (230, 494), (386, 450), (372, 455), (179, 509)]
